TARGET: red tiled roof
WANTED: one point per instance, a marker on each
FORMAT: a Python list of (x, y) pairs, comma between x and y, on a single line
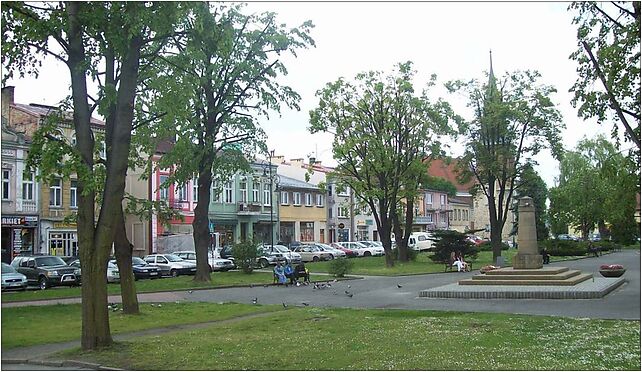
[(447, 170), (43, 110)]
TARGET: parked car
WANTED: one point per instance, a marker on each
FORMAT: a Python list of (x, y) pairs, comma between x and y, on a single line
[(11, 279), (341, 247), (143, 270), (216, 264), (362, 250), (334, 253), (310, 252), (371, 243), (421, 241), (568, 237), (113, 276), (595, 237), (171, 264), (263, 258), (288, 255), (46, 271)]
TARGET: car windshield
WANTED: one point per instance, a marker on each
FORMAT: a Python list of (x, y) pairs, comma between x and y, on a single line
[(6, 269), (112, 265), (281, 248), (173, 258), (138, 261), (49, 261), (325, 247), (366, 244)]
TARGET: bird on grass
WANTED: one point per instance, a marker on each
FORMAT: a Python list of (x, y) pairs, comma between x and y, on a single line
[(255, 301)]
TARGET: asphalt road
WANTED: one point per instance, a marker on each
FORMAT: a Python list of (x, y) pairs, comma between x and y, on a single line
[(384, 292)]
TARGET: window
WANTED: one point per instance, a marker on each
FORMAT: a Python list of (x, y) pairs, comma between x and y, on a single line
[(228, 195), (465, 214), (296, 198), (429, 217), (307, 231), (243, 189), (256, 184), (329, 190), (308, 199), (27, 185), (73, 194), (343, 191), (164, 190), (319, 200), (428, 198), (330, 213), (267, 200), (343, 212), (195, 189), (55, 193), (6, 173), (443, 199), (284, 198), (216, 193), (103, 150), (182, 192)]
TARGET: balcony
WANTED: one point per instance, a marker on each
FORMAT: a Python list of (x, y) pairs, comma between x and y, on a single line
[(423, 220), (28, 206), (247, 209)]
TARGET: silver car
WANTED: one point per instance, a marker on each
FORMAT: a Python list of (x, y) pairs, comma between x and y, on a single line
[(312, 253), (11, 279), (216, 264), (171, 264), (334, 253)]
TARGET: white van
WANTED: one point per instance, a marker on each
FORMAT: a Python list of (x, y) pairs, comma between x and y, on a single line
[(420, 241)]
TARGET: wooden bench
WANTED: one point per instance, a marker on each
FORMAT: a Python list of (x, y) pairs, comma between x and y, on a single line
[(448, 265)]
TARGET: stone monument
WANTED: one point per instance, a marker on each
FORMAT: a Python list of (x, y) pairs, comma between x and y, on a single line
[(527, 256)]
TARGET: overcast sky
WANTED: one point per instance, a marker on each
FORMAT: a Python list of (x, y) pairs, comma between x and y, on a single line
[(451, 40)]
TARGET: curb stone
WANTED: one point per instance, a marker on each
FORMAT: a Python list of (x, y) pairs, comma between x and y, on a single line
[(77, 363)]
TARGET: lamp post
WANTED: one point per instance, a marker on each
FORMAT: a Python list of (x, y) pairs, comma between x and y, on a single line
[(274, 179)]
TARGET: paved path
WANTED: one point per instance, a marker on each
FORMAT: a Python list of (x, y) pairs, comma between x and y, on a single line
[(383, 292)]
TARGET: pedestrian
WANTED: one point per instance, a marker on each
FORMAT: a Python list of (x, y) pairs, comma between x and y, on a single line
[(279, 275), (546, 258)]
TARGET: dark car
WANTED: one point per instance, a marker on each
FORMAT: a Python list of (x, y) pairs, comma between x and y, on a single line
[(46, 271), (141, 269)]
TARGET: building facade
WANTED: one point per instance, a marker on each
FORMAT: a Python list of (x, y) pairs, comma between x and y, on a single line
[(302, 211)]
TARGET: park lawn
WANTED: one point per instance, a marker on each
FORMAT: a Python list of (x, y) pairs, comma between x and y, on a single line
[(223, 279), (351, 339), (35, 325)]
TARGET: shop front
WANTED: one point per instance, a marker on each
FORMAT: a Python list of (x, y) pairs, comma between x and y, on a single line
[(62, 239), (19, 236)]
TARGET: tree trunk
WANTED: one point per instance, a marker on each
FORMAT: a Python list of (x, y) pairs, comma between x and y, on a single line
[(201, 221), (402, 253), (496, 239), (123, 249), (408, 229)]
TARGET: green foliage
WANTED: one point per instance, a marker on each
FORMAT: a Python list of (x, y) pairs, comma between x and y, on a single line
[(383, 130), (340, 267), (447, 241), (564, 247), (487, 247), (412, 254), (439, 184), (245, 253), (611, 32), (596, 183)]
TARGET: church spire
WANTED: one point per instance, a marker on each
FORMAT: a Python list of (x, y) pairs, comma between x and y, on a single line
[(491, 77)]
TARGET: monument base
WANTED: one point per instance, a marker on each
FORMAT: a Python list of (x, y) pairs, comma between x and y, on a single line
[(528, 261)]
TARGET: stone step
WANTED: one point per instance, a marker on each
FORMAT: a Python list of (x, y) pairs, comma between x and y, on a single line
[(528, 282), (559, 276), (549, 270)]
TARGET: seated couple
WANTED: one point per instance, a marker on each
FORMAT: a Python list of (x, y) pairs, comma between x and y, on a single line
[(458, 260)]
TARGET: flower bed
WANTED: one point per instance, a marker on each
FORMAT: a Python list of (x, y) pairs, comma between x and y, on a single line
[(612, 271)]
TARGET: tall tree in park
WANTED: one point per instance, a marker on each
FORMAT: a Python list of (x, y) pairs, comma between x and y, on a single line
[(383, 131), (88, 37), (514, 120), (609, 51), (221, 78), (597, 186), (531, 184)]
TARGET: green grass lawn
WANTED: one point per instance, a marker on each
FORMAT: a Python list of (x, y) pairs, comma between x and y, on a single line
[(350, 339), (229, 278), (34, 325)]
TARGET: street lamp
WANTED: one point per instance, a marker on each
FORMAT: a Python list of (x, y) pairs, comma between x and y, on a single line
[(274, 179)]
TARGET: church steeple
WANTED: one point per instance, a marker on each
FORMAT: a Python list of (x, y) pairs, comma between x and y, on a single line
[(492, 85)]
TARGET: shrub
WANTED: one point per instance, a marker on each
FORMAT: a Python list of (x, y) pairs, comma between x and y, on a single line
[(340, 267), (564, 247), (606, 245), (447, 241), (245, 254), (486, 247)]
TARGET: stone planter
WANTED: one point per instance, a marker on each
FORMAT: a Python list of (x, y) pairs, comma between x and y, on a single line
[(612, 273)]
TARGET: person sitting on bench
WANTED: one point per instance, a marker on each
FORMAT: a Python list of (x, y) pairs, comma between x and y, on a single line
[(300, 271)]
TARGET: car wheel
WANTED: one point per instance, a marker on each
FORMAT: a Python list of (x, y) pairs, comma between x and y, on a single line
[(331, 257), (315, 259), (366, 254), (173, 273), (42, 283), (263, 263)]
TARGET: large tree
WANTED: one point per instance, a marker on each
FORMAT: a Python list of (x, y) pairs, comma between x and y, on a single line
[(514, 119), (383, 131), (609, 51), (222, 77), (101, 43), (597, 186)]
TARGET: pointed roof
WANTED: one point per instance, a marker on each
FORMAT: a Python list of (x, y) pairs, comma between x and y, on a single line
[(492, 82)]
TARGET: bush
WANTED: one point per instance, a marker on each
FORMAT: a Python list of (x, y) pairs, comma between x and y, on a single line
[(606, 245), (486, 247), (339, 267), (564, 247), (245, 254)]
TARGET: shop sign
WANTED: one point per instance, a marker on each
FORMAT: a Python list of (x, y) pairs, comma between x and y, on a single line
[(361, 222), (20, 220), (63, 225)]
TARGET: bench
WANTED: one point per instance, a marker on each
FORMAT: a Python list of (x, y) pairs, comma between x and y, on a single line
[(448, 265)]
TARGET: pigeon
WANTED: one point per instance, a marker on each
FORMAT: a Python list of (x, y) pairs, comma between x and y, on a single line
[(349, 295), (305, 304), (315, 286), (190, 292), (349, 286), (346, 292), (255, 300), (328, 284), (159, 305), (399, 286), (109, 307), (251, 285), (177, 302), (334, 281), (298, 284), (285, 306)]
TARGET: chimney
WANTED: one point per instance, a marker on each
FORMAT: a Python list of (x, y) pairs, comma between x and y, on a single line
[(297, 161), (7, 99), (279, 159)]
